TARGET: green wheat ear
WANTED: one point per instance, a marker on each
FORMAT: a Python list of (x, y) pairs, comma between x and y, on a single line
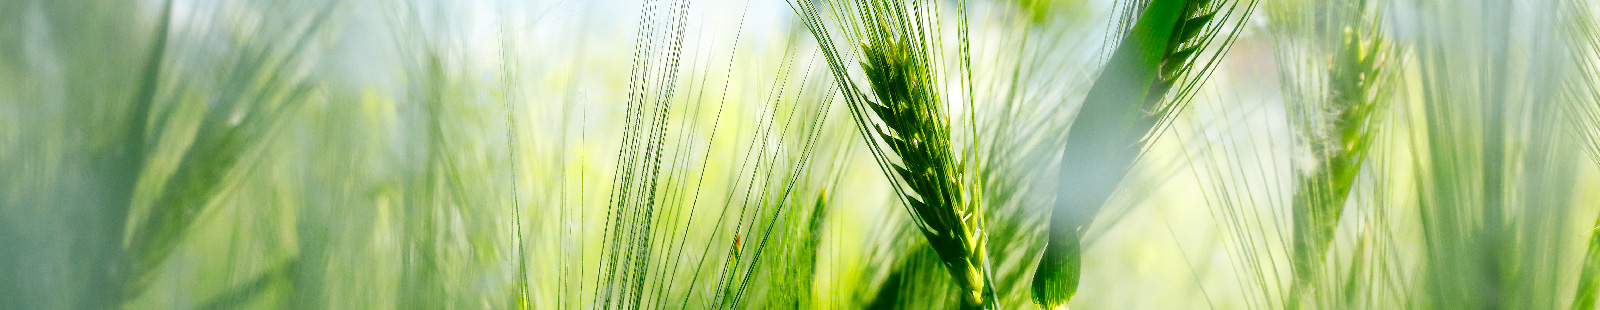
[(910, 138), (1337, 118), (1125, 105)]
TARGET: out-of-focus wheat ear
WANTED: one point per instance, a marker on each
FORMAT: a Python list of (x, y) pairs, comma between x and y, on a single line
[(1583, 101), (1332, 70), (233, 134), (1151, 73), (1494, 170)]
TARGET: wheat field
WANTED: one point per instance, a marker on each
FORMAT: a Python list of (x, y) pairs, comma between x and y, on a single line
[(799, 154)]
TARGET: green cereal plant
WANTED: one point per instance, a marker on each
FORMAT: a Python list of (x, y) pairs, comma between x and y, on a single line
[(1161, 51), (901, 113), (1334, 60)]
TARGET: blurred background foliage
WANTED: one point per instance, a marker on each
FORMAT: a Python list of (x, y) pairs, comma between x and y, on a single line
[(676, 154)]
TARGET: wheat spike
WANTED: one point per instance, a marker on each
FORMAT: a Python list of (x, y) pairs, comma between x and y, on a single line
[(1125, 104), (903, 118)]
